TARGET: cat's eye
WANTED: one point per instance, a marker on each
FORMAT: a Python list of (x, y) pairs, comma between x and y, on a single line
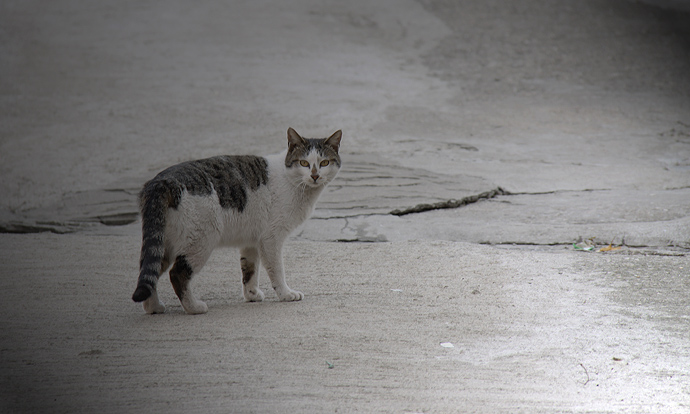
[(304, 163), (324, 163)]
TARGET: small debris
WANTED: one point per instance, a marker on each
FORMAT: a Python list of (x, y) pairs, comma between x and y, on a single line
[(447, 345), (396, 290), (330, 366), (590, 245), (587, 245), (586, 372), (609, 248)]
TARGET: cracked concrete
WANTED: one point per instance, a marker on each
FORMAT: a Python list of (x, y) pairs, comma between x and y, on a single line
[(429, 143), (578, 110), (633, 218)]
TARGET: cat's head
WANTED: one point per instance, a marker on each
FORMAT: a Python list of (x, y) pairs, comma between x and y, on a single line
[(312, 162)]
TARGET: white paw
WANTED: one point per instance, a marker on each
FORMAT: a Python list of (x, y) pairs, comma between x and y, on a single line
[(153, 305), (152, 308), (253, 295), (194, 307), (289, 295)]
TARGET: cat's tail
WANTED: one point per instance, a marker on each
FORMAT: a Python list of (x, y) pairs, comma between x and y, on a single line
[(154, 201)]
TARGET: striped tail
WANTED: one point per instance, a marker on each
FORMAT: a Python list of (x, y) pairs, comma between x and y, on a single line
[(154, 200)]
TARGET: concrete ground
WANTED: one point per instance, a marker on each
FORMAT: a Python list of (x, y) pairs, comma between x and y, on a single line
[(509, 131)]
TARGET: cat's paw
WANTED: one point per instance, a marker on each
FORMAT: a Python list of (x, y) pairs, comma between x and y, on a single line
[(253, 295), (153, 305), (289, 295), (194, 307)]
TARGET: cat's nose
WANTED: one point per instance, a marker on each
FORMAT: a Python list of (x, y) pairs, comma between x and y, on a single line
[(314, 177)]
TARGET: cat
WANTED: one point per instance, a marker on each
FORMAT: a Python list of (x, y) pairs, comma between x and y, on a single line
[(246, 201)]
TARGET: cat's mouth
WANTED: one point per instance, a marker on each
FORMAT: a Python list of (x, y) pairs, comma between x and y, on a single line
[(315, 182)]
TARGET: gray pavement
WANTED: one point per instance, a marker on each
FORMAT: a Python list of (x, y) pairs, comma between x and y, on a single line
[(550, 123)]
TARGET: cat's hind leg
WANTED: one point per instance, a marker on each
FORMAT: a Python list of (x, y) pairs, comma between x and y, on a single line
[(153, 304), (180, 275), (249, 263)]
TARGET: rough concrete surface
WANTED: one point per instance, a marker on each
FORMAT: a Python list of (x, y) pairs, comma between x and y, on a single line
[(526, 126)]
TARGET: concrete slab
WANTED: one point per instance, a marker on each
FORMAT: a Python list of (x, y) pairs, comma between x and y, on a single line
[(579, 110), (384, 327)]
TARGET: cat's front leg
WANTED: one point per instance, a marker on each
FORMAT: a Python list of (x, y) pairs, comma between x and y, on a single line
[(272, 256), (249, 263)]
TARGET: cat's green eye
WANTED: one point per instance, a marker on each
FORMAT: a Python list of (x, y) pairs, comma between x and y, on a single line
[(304, 163), (325, 163)]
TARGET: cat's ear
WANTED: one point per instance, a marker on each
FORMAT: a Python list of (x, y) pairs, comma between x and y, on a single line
[(294, 139), (334, 140)]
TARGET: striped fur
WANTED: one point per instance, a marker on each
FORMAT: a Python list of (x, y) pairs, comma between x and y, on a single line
[(228, 176)]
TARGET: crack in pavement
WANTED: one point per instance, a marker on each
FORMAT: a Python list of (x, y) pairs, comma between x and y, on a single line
[(646, 250), (420, 208), (498, 191), (127, 216)]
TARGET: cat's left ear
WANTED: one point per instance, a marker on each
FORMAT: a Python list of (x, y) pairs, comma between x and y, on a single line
[(334, 140)]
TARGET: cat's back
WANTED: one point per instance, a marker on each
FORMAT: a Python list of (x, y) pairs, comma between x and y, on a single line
[(230, 177)]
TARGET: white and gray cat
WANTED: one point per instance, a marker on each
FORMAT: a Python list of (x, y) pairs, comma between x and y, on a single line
[(245, 201)]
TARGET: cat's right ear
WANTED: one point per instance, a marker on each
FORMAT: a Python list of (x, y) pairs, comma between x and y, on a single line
[(294, 139)]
